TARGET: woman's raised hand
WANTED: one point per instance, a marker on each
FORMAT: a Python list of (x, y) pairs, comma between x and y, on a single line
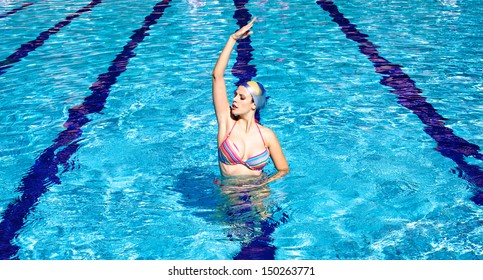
[(244, 32)]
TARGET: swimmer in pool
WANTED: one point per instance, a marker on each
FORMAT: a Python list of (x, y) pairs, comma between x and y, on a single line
[(244, 146)]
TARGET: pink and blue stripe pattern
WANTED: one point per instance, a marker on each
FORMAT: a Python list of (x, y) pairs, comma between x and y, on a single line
[(227, 155)]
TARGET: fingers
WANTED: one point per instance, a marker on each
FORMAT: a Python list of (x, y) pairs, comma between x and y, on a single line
[(248, 25), (252, 21), (246, 34), (245, 31)]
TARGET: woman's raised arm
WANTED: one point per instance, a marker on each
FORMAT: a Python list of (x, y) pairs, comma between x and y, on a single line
[(220, 98)]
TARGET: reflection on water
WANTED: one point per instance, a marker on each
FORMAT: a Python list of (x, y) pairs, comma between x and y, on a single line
[(196, 4), (449, 3), (239, 203)]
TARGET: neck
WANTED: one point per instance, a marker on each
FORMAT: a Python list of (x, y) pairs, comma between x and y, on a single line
[(246, 122)]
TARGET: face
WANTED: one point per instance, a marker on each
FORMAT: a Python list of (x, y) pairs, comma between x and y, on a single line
[(242, 102)]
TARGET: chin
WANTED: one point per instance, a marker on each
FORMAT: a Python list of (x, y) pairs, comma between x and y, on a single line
[(235, 112)]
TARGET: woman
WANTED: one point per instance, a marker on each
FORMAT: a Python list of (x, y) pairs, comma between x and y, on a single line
[(244, 145)]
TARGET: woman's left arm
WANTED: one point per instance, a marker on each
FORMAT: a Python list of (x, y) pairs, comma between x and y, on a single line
[(277, 156)]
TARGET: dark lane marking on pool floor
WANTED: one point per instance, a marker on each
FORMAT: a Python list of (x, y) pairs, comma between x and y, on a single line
[(28, 47), (13, 11), (260, 247), (449, 145), (242, 69), (44, 171)]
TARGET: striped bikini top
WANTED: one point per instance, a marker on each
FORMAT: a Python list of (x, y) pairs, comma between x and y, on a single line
[(228, 154)]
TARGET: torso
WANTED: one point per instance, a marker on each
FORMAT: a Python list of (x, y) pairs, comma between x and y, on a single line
[(240, 154)]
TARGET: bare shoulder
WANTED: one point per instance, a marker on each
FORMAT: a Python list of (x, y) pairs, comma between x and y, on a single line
[(268, 134)]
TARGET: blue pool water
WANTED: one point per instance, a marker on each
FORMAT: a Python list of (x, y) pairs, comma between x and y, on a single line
[(108, 134)]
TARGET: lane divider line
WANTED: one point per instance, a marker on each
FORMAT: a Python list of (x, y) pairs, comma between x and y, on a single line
[(242, 69), (13, 11), (409, 96), (260, 247), (44, 171), (31, 46)]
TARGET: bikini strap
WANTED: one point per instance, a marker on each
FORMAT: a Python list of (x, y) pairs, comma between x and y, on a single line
[(261, 136), (228, 135)]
